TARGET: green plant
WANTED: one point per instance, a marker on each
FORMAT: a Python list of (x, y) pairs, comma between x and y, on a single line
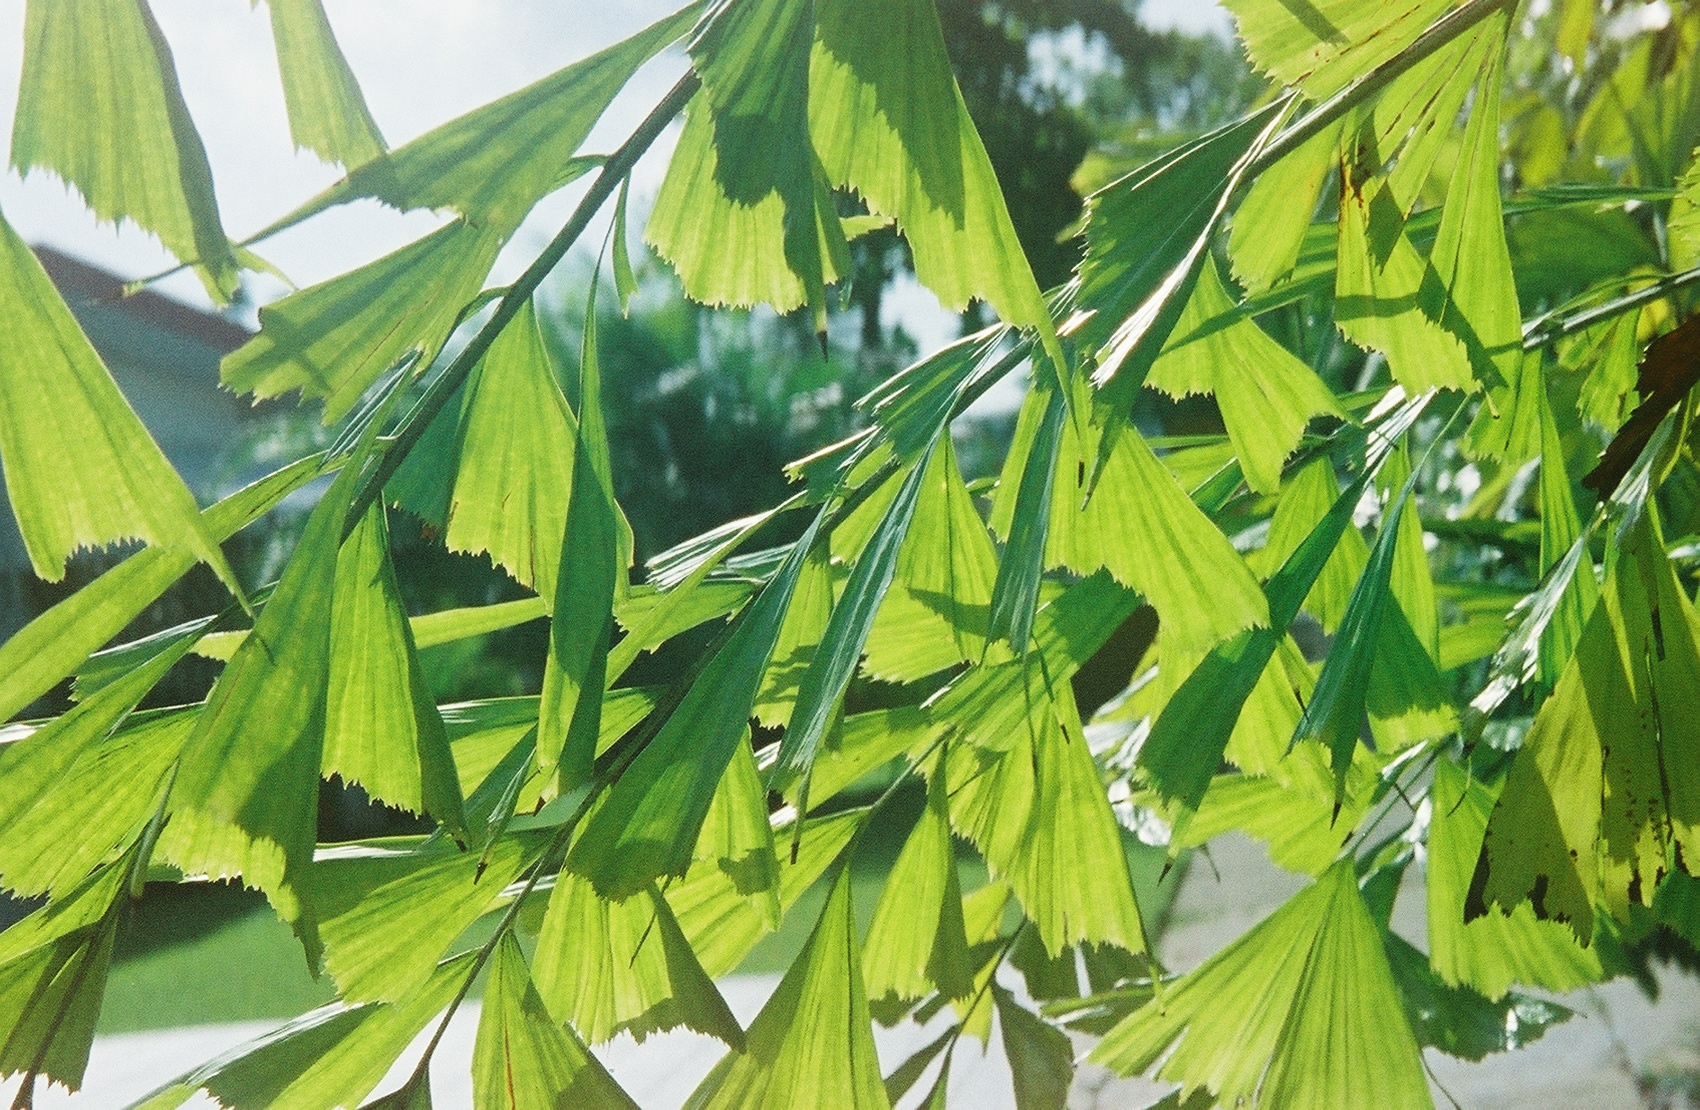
[(1384, 333)]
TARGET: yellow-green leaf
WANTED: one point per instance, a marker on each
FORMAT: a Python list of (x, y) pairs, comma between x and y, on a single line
[(1300, 1011), (522, 1058), (327, 112), (99, 105), (81, 470), (812, 1044)]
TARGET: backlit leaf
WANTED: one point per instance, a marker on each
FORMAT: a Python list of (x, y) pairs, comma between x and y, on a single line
[(1334, 716), (889, 122), (720, 920), (59, 640), (812, 1043), (1138, 270), (245, 800), (388, 915), (522, 1058), (506, 484), (744, 214), (53, 968), (334, 339), (495, 162), (945, 572), (81, 787), (612, 967), (1324, 45), (650, 818), (821, 690), (1378, 300), (382, 729), (1498, 948), (591, 565), (100, 107), (327, 112), (901, 955), (55, 392), (333, 1056), (1150, 535), (1267, 395), (1300, 1011)]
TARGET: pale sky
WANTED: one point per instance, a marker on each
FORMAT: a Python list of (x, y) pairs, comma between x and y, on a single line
[(420, 63)]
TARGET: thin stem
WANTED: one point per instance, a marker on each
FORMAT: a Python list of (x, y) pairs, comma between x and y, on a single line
[(1544, 331), (442, 387)]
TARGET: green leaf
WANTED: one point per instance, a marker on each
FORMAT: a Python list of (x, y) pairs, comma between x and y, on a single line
[(59, 640), (1291, 809), (889, 122), (505, 480), (1470, 253), (1269, 226), (1300, 1011), (1561, 529), (737, 837), (812, 1044), (625, 281), (388, 914), (99, 106), (1150, 535), (799, 636), (55, 392), (821, 690), (53, 968), (522, 1058), (450, 625), (936, 612), (591, 564), (334, 339), (1187, 740), (1267, 395), (623, 967), (722, 923), (1539, 846), (1460, 1022), (245, 799), (1308, 498), (1039, 814), (651, 816), (1334, 716), (382, 729), (1407, 700), (1378, 294), (992, 706), (1323, 45), (1041, 1057), (327, 112), (332, 1056), (901, 956), (907, 1074), (80, 788), (1033, 455), (868, 741), (494, 163), (1138, 270), (1497, 949), (744, 214)]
